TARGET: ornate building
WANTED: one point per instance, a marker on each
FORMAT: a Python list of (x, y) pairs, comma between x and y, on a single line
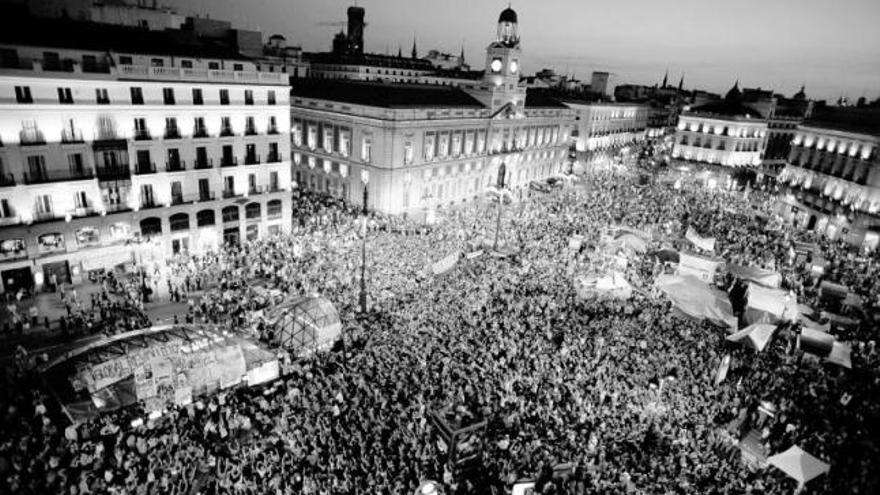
[(121, 144), (832, 179), (415, 146)]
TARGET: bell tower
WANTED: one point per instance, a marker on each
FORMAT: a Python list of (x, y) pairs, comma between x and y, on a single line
[(502, 70)]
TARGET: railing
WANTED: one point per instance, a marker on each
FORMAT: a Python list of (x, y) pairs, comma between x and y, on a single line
[(179, 200), (250, 131), (172, 133), (273, 158), (227, 132), (229, 162), (255, 190), (7, 180), (65, 65), (83, 211), (230, 194), (45, 216), (149, 203), (206, 197), (204, 164), (117, 208), (71, 136), (272, 130), (191, 74), (31, 138), (145, 168), (175, 166), (142, 135), (201, 133), (58, 176), (252, 159), (113, 173), (96, 67)]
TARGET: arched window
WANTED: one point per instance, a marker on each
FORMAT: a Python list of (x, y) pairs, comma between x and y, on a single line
[(230, 214), (205, 218), (151, 226), (179, 221), (252, 210), (273, 208)]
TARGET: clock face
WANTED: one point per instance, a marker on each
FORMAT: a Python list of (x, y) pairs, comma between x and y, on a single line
[(496, 65), (514, 67)]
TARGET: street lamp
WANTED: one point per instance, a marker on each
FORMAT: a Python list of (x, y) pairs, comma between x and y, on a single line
[(499, 184), (365, 179)]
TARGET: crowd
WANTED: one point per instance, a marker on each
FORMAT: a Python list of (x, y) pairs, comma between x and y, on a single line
[(623, 393)]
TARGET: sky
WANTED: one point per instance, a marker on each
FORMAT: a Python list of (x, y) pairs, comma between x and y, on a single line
[(831, 46)]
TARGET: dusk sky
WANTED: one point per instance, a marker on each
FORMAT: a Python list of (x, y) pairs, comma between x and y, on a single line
[(831, 46)]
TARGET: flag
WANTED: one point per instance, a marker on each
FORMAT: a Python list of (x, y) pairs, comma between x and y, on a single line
[(722, 370)]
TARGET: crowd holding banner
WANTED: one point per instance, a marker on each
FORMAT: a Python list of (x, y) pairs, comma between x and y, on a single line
[(626, 393)]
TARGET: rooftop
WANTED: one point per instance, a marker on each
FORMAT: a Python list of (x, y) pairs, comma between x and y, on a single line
[(857, 120), (537, 98), (371, 60), (92, 36), (383, 95), (727, 108)]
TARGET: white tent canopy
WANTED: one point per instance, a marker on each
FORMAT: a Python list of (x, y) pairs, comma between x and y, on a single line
[(757, 336), (799, 465)]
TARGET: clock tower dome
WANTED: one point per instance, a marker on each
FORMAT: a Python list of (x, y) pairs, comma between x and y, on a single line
[(501, 77)]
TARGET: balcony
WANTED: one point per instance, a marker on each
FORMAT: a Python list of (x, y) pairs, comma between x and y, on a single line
[(250, 131), (71, 136), (83, 211), (229, 161), (7, 180), (204, 164), (113, 173), (58, 176), (252, 159), (9, 221), (273, 158), (256, 190), (201, 132), (96, 67), (142, 135), (118, 208), (145, 168), (149, 203), (45, 216), (227, 132), (31, 137), (55, 65), (175, 166), (272, 130), (179, 200), (172, 133), (230, 194), (204, 197), (192, 74)]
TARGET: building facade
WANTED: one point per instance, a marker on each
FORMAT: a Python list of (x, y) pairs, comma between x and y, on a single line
[(832, 181), (417, 147), (110, 157), (603, 129), (725, 133)]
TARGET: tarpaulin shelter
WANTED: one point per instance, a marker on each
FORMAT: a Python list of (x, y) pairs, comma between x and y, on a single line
[(841, 354), (761, 276), (161, 365), (632, 242), (755, 336), (697, 266), (766, 304), (665, 255), (696, 299), (799, 465), (305, 325)]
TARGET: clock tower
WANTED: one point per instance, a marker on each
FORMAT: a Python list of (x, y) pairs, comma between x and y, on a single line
[(501, 79)]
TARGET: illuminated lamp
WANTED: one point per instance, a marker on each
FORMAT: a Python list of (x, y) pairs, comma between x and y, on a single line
[(866, 152), (853, 149)]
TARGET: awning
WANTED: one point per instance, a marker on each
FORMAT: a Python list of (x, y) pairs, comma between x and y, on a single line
[(799, 465)]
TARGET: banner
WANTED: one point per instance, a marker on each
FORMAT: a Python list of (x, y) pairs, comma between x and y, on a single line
[(705, 243), (702, 268), (721, 375), (446, 264), (778, 303)]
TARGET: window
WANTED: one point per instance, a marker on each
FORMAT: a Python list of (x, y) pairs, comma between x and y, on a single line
[(230, 214), (429, 146), (23, 94), (178, 222), (273, 208), (198, 99), (328, 139), (147, 198), (140, 129), (75, 164), (202, 157), (176, 192), (137, 96), (80, 200), (250, 127), (226, 126), (51, 61), (43, 204), (252, 183), (5, 210), (36, 167), (229, 185), (171, 130), (168, 96), (224, 97), (408, 152), (237, 67), (273, 181), (205, 218), (124, 60), (248, 97), (273, 125), (366, 150), (213, 65), (273, 153), (65, 96), (101, 96), (199, 128), (252, 210), (157, 62), (270, 97), (186, 64), (250, 154)]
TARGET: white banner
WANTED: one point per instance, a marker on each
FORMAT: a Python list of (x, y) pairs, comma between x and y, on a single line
[(706, 243), (702, 268)]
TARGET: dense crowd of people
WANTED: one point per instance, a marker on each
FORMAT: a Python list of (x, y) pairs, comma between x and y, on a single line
[(621, 393)]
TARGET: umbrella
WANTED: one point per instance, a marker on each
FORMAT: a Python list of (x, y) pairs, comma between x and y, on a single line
[(798, 464)]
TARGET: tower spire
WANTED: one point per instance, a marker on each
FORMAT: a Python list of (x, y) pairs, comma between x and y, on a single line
[(461, 57), (665, 78), (681, 83), (415, 52)]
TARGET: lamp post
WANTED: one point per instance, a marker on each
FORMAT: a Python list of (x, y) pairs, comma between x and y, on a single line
[(365, 179), (499, 184)]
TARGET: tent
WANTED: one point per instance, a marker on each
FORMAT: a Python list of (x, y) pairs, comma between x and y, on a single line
[(306, 325), (632, 242), (756, 336), (841, 354), (799, 465), (766, 278), (697, 266), (665, 255), (696, 299), (767, 304)]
